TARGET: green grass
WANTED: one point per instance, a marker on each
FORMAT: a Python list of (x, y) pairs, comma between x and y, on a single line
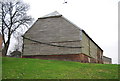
[(0, 68), (25, 68)]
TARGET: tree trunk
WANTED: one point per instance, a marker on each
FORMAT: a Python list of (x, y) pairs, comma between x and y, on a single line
[(5, 49)]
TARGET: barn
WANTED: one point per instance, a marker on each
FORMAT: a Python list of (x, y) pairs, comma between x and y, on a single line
[(107, 60), (55, 37)]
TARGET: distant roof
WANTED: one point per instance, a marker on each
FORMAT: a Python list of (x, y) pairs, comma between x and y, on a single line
[(53, 14), (106, 57)]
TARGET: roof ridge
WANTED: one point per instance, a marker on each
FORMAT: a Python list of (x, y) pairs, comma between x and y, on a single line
[(53, 14)]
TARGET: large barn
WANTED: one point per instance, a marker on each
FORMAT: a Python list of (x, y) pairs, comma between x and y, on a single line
[(55, 37)]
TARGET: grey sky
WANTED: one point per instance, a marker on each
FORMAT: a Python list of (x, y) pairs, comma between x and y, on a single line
[(99, 18)]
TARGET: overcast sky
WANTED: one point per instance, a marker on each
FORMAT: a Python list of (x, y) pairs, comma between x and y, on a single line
[(99, 18)]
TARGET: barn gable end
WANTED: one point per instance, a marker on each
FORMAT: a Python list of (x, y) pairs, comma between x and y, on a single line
[(54, 30)]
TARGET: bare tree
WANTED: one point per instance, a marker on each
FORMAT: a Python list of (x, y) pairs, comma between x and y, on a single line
[(14, 16)]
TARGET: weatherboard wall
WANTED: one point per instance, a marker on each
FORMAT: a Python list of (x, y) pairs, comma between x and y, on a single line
[(85, 44), (89, 47), (93, 50), (33, 48)]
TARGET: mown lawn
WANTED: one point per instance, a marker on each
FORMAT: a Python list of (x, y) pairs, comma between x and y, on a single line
[(25, 68), (0, 68)]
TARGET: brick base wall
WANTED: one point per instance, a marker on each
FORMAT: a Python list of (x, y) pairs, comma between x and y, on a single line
[(68, 57)]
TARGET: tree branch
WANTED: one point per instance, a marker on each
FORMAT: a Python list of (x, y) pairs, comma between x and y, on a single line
[(14, 15)]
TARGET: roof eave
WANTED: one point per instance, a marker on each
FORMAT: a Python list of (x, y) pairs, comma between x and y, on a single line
[(50, 17)]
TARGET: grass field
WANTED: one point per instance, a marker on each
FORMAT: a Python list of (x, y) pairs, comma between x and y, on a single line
[(0, 68), (25, 68)]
